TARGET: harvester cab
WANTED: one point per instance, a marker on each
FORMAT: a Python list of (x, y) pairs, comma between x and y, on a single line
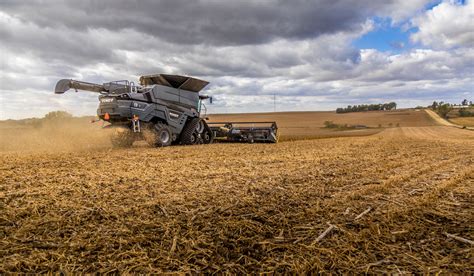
[(163, 110)]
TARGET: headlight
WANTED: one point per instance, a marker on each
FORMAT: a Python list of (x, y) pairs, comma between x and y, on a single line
[(137, 105)]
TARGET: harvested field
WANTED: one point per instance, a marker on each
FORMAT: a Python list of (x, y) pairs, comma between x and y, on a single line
[(304, 125), (463, 121), (389, 202), (79, 134)]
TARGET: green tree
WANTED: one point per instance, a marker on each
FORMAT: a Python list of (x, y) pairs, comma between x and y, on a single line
[(392, 105), (463, 112), (444, 109), (330, 124)]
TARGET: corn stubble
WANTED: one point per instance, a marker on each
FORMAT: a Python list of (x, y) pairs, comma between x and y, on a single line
[(380, 203)]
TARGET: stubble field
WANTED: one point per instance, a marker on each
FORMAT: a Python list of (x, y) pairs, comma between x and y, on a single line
[(390, 202), (463, 121), (309, 125)]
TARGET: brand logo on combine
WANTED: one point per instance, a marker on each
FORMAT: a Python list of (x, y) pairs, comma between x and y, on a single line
[(107, 100)]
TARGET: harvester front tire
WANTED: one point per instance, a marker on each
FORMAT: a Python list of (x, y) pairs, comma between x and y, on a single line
[(122, 137), (207, 135), (158, 135)]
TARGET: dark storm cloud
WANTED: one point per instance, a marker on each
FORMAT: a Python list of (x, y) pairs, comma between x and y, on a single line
[(56, 44), (248, 50), (193, 36), (209, 22)]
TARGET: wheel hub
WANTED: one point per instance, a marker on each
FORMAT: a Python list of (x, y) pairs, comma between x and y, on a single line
[(164, 137)]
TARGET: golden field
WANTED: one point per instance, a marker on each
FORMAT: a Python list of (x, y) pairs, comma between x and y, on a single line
[(463, 121), (303, 125), (390, 201)]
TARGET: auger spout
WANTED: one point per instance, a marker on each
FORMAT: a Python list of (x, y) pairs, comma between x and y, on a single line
[(65, 84)]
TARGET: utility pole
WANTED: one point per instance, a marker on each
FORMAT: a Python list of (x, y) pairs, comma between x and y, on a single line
[(274, 103)]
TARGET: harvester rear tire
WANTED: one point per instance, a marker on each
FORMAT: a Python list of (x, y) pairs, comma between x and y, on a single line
[(158, 135), (122, 137), (188, 134)]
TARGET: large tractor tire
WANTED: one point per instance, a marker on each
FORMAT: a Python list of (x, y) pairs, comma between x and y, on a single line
[(122, 137), (158, 135), (189, 135), (207, 136), (203, 133)]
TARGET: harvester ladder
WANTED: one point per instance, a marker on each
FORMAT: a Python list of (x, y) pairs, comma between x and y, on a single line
[(136, 123)]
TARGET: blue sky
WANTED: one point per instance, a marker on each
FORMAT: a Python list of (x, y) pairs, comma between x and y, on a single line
[(386, 37), (393, 37)]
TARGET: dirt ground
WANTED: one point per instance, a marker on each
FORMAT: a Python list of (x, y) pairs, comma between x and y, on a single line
[(388, 202), (460, 122)]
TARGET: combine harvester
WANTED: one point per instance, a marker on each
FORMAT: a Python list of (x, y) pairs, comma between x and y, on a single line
[(164, 110)]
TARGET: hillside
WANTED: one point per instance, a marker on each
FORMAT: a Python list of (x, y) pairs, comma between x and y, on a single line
[(310, 124), (80, 133)]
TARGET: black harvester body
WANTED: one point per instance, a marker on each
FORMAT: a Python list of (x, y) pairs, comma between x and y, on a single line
[(163, 110), (249, 132)]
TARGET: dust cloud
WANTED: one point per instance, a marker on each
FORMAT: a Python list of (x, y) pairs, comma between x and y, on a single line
[(39, 135)]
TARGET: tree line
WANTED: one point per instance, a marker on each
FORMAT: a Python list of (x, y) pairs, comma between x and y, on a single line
[(367, 107), (443, 108)]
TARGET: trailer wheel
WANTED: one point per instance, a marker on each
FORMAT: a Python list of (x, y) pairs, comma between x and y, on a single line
[(158, 135), (122, 137), (189, 134)]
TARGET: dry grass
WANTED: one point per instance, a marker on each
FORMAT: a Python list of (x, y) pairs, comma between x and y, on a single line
[(463, 121), (243, 208)]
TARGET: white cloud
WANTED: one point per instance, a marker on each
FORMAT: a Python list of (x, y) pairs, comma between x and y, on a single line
[(400, 11), (449, 24), (317, 72)]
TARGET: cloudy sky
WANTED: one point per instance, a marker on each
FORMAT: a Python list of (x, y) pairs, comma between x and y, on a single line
[(309, 55)]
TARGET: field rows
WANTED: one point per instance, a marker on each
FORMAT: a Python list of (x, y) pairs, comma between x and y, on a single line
[(242, 208)]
